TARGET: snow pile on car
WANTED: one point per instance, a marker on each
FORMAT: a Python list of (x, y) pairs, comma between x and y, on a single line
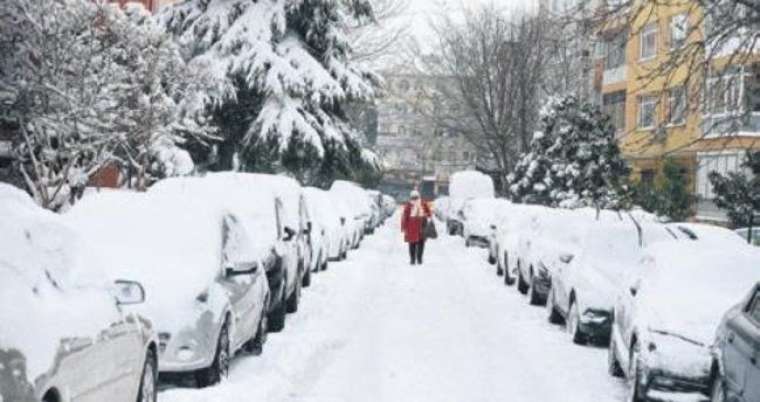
[(172, 245), (47, 292)]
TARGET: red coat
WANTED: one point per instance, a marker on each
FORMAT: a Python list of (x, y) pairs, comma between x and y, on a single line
[(412, 225)]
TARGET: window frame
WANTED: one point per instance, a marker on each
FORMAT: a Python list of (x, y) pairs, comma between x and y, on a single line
[(650, 29), (685, 99), (640, 106), (685, 31)]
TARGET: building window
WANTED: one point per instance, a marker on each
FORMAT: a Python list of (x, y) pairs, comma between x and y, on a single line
[(679, 30), (724, 94), (648, 41), (615, 51), (677, 106), (614, 107), (403, 85), (466, 155), (647, 112), (722, 163), (401, 130)]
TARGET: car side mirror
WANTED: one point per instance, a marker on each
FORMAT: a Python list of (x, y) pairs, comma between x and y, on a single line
[(289, 234), (240, 269), (129, 293), (566, 258)]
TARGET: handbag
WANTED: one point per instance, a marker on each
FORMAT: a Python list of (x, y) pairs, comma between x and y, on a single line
[(428, 229)]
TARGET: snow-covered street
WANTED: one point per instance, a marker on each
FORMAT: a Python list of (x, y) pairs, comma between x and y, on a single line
[(374, 328)]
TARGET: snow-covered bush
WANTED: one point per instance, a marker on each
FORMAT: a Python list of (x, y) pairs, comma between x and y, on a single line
[(288, 79), (573, 161), (87, 83)]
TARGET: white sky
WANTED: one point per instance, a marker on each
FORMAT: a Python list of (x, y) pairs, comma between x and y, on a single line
[(420, 11)]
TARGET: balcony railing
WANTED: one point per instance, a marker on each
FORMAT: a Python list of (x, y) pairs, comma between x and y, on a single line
[(731, 124), (614, 75)]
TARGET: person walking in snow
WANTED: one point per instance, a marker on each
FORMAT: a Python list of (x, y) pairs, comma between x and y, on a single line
[(416, 212)]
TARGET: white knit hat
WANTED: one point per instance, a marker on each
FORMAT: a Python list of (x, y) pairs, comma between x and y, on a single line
[(414, 194)]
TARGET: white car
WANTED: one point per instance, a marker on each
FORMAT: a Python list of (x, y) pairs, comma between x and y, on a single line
[(354, 205), (331, 234), (480, 216), (513, 223), (465, 186), (584, 285), (665, 319), (273, 211), (67, 333), (208, 288)]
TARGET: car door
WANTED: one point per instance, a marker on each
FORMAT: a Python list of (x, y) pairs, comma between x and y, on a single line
[(288, 247), (740, 353), (242, 293)]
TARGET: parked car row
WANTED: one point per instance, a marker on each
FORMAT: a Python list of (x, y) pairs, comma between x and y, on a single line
[(655, 293), (99, 301)]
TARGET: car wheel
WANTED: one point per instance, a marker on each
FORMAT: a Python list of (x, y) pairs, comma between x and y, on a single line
[(551, 308), (522, 286), (324, 265), (613, 364), (306, 281), (148, 390), (508, 279), (221, 365), (634, 372), (491, 259), (533, 297), (255, 346), (294, 299), (573, 324), (718, 393), (467, 242), (276, 322)]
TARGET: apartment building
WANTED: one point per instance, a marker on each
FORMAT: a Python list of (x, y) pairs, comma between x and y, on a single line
[(663, 109)]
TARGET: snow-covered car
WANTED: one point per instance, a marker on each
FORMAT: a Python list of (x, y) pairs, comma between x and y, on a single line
[(666, 316), (736, 374), (709, 234), (464, 186), (389, 205), (551, 237), (377, 216), (66, 333), (514, 221), (273, 212), (208, 289), (327, 233), (584, 285), (479, 220), (355, 205)]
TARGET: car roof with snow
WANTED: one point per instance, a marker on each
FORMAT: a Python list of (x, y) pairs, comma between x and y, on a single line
[(470, 184), (710, 234), (171, 244)]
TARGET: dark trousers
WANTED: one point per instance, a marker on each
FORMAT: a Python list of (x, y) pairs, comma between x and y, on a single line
[(416, 250)]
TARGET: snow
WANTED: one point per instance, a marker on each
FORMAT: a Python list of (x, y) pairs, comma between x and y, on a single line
[(687, 287), (710, 234), (46, 291), (375, 329), (174, 252), (467, 185)]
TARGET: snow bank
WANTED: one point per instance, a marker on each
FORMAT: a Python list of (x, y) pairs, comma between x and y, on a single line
[(47, 293)]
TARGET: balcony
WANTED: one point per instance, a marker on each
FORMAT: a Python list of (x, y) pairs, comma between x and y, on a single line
[(731, 125), (614, 75)]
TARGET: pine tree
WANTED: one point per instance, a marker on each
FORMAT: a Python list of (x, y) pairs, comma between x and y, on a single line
[(288, 74), (573, 161), (739, 194)]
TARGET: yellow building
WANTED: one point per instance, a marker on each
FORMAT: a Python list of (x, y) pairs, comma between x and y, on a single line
[(663, 109)]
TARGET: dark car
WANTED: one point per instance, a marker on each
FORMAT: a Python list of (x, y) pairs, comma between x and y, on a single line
[(737, 350)]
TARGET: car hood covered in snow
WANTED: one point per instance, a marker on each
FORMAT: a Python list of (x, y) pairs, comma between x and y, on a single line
[(47, 293), (688, 287), (175, 252)]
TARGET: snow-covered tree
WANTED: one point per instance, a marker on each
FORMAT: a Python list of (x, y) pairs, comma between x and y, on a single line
[(85, 84), (739, 194), (573, 161), (289, 76)]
